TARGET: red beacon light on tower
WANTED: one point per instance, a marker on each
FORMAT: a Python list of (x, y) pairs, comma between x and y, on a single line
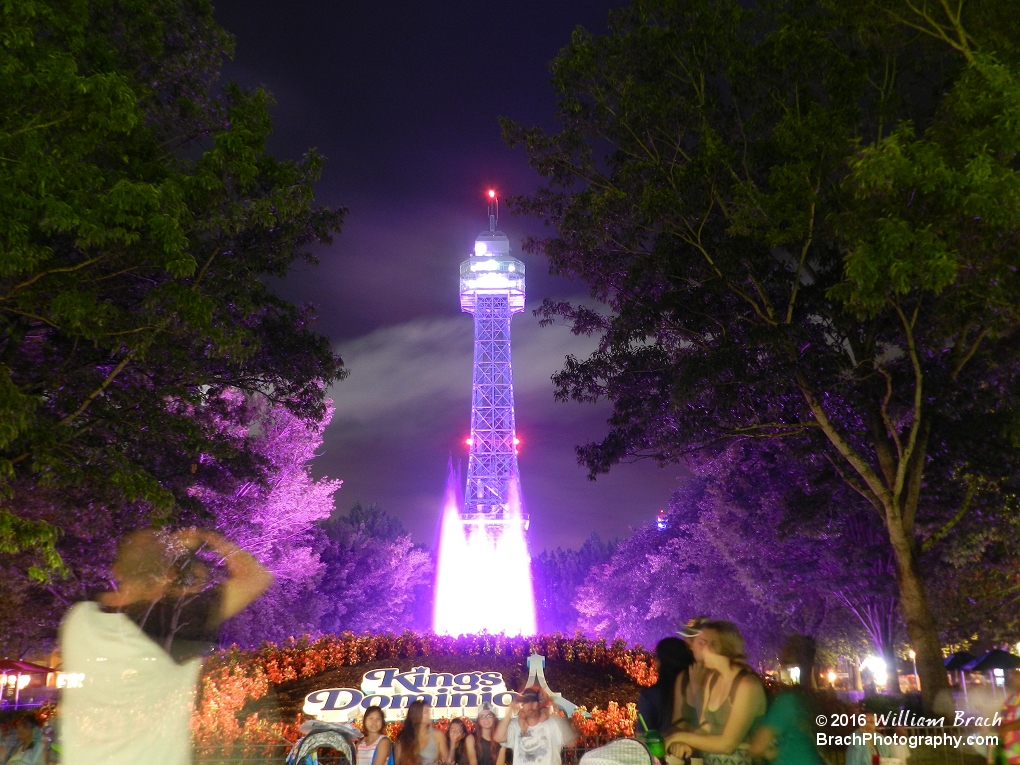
[(492, 193)]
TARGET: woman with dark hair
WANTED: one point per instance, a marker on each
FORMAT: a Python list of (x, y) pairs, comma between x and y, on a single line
[(374, 748), (734, 699), (419, 743), (655, 704), (487, 750), (462, 746)]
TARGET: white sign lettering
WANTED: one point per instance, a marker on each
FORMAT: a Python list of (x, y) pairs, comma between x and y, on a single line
[(449, 695)]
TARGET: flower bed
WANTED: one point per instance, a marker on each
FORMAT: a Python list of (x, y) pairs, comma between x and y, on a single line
[(253, 696)]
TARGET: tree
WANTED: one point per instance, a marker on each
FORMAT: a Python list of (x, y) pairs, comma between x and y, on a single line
[(755, 539), (806, 228), (275, 519), (141, 219), (557, 575), (270, 507), (657, 579), (374, 576), (792, 528)]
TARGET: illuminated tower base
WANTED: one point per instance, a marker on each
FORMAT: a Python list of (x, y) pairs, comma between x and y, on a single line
[(484, 577)]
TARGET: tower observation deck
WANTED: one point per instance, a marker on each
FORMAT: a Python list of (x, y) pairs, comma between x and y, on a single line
[(492, 288)]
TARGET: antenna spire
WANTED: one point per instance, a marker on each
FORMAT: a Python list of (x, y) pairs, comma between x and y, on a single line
[(493, 211)]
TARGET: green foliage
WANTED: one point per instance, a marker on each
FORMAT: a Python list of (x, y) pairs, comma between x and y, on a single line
[(141, 217)]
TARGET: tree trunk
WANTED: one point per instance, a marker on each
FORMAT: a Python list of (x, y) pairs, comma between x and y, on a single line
[(920, 625)]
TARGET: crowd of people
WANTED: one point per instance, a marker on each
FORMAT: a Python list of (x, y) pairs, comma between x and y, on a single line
[(140, 646), (709, 705), (530, 729)]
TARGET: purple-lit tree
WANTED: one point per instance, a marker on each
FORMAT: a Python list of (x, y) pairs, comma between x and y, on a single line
[(274, 517), (266, 501), (374, 579), (657, 578), (557, 576), (757, 539)]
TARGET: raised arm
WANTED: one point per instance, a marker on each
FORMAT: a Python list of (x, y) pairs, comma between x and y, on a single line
[(248, 578), (500, 734)]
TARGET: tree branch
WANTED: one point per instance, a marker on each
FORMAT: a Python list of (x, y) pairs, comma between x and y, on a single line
[(957, 517), (98, 391), (37, 277), (863, 469)]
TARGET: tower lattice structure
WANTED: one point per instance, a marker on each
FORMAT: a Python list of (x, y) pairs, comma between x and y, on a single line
[(492, 288)]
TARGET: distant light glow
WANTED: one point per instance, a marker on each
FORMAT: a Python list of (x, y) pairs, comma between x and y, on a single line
[(795, 675), (469, 440), (516, 441), (492, 280), (484, 580), (832, 677), (479, 248), (876, 665), (492, 194), (70, 679), (661, 520)]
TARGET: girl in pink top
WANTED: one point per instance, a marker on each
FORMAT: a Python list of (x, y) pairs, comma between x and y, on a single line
[(374, 748)]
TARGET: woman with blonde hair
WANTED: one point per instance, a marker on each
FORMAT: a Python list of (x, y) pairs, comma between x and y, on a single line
[(733, 700)]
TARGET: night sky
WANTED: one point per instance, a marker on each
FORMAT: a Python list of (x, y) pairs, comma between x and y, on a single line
[(403, 99)]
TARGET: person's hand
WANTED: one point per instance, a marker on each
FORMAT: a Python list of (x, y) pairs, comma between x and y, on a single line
[(680, 750), (515, 707)]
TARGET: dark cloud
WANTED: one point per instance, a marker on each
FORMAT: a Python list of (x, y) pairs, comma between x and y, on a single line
[(403, 99), (405, 409)]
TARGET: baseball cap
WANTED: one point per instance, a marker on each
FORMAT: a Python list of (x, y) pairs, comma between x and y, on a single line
[(693, 627), (530, 695)]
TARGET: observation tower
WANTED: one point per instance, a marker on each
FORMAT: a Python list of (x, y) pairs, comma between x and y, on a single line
[(484, 537)]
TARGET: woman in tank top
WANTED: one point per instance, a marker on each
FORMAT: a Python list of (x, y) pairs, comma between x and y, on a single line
[(487, 751), (374, 748), (419, 743), (733, 701)]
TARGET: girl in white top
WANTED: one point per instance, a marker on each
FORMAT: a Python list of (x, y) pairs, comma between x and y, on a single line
[(374, 748)]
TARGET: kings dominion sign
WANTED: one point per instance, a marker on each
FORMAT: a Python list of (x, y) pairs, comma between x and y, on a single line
[(450, 695)]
